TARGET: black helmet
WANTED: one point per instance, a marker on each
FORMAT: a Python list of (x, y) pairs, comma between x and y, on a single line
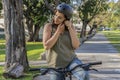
[(65, 9)]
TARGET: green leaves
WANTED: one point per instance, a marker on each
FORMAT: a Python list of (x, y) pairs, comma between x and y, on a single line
[(90, 8), (36, 11), (1, 6)]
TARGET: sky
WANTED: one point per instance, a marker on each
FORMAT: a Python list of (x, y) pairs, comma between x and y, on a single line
[(74, 1), (114, 0)]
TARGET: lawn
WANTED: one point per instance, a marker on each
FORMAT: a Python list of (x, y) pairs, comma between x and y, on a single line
[(34, 49), (114, 38)]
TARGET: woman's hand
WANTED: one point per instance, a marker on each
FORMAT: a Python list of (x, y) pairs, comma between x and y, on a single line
[(60, 28), (68, 24)]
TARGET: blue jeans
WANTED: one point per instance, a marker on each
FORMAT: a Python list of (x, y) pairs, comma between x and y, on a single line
[(79, 73)]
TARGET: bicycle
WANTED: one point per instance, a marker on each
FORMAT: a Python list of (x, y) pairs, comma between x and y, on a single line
[(86, 67)]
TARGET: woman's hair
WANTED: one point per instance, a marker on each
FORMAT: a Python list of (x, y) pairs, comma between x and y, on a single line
[(66, 10)]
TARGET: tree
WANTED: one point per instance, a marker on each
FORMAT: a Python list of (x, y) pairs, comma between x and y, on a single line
[(89, 10), (117, 14), (0, 7), (114, 20), (35, 14), (15, 34), (110, 18)]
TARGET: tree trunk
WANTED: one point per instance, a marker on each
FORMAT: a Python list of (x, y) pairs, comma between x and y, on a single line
[(83, 32), (94, 27), (30, 29), (15, 34), (35, 33)]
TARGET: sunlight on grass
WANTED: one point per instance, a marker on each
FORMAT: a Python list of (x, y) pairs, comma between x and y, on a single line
[(2, 57), (34, 54), (2, 41), (114, 38), (34, 49)]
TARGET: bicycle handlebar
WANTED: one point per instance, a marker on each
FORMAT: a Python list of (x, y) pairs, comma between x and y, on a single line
[(43, 69), (85, 66), (95, 63)]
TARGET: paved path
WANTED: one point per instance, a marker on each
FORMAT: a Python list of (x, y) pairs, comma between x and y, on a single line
[(99, 49)]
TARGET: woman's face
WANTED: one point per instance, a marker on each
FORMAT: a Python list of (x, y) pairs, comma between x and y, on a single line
[(58, 18)]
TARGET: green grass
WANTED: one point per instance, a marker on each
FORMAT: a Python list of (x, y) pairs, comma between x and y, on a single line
[(2, 50), (34, 49), (114, 38), (2, 41), (1, 71)]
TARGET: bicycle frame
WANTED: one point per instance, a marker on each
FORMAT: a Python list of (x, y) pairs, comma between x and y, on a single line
[(86, 67)]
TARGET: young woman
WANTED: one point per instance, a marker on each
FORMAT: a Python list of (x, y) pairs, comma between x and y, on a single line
[(60, 40)]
